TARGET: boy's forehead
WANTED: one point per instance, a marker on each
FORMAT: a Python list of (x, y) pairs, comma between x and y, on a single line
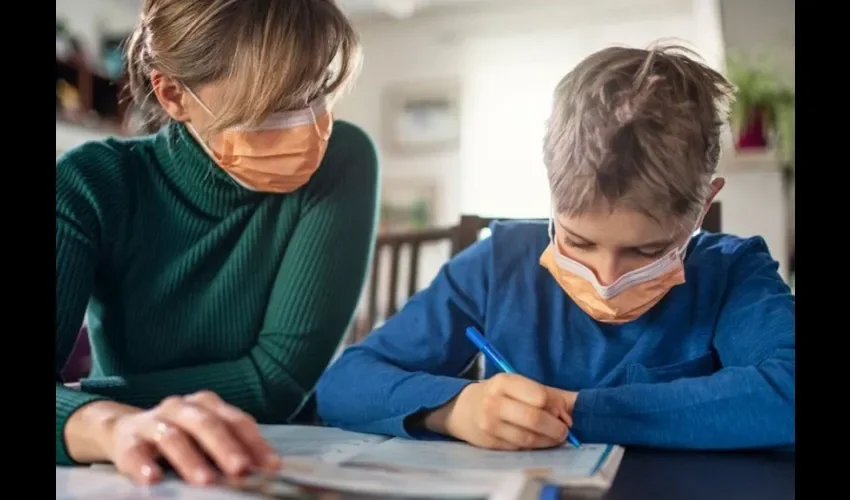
[(617, 227)]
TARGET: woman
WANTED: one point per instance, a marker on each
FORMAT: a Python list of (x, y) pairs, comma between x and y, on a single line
[(623, 324), (220, 260)]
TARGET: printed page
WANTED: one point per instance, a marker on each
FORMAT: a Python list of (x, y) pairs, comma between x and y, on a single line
[(565, 461), (78, 483), (375, 482), (326, 444)]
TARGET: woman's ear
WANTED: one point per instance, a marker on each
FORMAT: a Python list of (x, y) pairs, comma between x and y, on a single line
[(170, 95)]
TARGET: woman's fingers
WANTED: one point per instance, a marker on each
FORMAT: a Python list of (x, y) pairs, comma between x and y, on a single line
[(209, 431), (194, 434), (138, 461), (182, 453), (243, 426)]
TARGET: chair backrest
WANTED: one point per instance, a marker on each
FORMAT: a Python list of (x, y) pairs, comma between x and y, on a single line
[(711, 221), (392, 245)]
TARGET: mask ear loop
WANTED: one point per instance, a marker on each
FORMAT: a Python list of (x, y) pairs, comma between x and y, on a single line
[(682, 251), (192, 127), (198, 100), (225, 158), (324, 136)]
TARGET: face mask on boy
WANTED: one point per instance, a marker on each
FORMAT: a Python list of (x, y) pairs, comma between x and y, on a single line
[(630, 296)]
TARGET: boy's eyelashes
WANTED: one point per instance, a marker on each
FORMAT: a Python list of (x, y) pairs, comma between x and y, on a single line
[(642, 252)]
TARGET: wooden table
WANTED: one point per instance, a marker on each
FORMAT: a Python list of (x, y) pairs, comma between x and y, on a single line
[(667, 475)]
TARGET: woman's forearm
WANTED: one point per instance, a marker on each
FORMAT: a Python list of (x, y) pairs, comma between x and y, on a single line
[(87, 431)]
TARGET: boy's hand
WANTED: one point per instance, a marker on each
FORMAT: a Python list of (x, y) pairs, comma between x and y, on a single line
[(506, 412)]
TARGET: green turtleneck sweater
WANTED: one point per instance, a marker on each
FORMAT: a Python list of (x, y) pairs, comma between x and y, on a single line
[(190, 282)]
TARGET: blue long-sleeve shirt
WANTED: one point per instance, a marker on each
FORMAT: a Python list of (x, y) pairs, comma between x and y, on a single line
[(711, 366)]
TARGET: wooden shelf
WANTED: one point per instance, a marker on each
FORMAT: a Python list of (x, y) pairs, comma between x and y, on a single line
[(100, 96)]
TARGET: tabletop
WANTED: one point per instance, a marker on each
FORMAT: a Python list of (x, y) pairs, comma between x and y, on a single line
[(643, 474), (663, 475)]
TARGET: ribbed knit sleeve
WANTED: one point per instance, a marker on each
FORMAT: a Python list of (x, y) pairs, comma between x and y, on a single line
[(312, 300), (82, 213)]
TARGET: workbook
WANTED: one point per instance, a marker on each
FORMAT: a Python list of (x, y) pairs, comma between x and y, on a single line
[(369, 464), (328, 463)]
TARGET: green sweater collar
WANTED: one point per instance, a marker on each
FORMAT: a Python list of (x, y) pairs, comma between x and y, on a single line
[(195, 175)]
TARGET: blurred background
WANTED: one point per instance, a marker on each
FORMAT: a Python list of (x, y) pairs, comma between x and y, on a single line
[(455, 94)]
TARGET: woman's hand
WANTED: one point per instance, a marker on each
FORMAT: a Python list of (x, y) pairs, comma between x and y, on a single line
[(506, 412), (193, 433)]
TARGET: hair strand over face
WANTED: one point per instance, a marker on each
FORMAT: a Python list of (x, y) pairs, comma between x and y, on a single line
[(270, 55)]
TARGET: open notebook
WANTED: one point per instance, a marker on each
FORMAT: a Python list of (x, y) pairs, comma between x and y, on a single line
[(337, 459), (327, 463)]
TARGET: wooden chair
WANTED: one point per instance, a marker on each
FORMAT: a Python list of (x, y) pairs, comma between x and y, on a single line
[(394, 243), (712, 219)]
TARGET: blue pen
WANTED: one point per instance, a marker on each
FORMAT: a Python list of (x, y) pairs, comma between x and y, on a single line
[(481, 343)]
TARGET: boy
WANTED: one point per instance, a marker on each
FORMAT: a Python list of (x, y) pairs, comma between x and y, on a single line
[(625, 325)]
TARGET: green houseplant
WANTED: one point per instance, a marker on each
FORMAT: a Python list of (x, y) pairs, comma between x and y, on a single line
[(763, 111)]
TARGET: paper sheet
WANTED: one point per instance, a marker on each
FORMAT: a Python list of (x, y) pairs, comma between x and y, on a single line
[(565, 461), (311, 455), (83, 483), (370, 465), (406, 484), (321, 443)]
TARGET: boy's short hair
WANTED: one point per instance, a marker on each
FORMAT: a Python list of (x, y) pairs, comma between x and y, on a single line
[(636, 128)]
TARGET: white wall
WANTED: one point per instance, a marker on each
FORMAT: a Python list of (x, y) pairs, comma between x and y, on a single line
[(509, 83), (765, 28), (754, 202), (507, 59)]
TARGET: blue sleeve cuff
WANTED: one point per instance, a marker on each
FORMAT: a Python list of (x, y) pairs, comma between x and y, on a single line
[(431, 392), (583, 413)]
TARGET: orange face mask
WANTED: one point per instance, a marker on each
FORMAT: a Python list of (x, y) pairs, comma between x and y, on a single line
[(626, 299), (278, 156)]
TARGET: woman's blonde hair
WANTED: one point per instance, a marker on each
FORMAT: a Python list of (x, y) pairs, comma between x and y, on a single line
[(274, 55), (639, 128)]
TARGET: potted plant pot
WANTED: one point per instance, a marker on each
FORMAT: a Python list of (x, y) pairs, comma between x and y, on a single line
[(752, 135), (763, 111)]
